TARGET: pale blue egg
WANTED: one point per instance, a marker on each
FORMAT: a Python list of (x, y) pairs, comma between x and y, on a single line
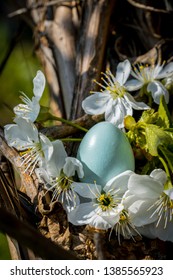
[(104, 152)]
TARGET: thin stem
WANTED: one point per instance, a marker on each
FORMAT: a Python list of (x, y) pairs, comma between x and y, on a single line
[(71, 123), (165, 166), (71, 139)]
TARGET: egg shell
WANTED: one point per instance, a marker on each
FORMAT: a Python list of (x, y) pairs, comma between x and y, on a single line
[(104, 152)]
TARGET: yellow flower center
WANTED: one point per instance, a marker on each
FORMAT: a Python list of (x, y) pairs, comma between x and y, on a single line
[(106, 201)]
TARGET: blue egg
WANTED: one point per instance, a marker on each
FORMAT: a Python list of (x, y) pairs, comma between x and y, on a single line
[(104, 152)]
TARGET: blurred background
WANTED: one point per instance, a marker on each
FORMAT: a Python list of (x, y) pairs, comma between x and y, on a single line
[(18, 63)]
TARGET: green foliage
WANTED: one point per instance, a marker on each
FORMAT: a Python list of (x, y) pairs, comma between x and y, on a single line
[(153, 134), (4, 250), (17, 76)]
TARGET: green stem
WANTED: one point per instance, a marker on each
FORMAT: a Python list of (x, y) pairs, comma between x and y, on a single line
[(71, 139), (71, 124), (165, 166)]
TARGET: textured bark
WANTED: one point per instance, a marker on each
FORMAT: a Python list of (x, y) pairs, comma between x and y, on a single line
[(91, 50)]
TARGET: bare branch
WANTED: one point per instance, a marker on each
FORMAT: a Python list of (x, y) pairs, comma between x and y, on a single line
[(148, 8)]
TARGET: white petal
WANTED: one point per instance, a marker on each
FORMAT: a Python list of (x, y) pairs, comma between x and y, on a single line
[(159, 175), (22, 134), (39, 84), (115, 113), (82, 214), (57, 160), (96, 103), (113, 216), (87, 190), (73, 165), (165, 234), (134, 104), (43, 175), (47, 147), (123, 72), (119, 182), (133, 84), (148, 230), (29, 112), (139, 212), (144, 186), (157, 90), (99, 222), (166, 71), (169, 193)]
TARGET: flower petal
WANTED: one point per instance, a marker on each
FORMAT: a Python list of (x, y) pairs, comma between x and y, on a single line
[(115, 112), (123, 72), (73, 165), (47, 147), (144, 186), (29, 111), (39, 84), (166, 71), (21, 135), (157, 90), (56, 162), (87, 190), (82, 214), (159, 175), (140, 214), (99, 222), (120, 182), (134, 104), (96, 103), (133, 84)]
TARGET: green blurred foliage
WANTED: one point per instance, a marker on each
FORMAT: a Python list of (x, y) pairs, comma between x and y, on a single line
[(4, 251), (17, 75)]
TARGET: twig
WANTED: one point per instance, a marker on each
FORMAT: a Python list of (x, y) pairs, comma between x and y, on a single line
[(37, 6), (148, 8)]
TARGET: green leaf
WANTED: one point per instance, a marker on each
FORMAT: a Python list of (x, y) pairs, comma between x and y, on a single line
[(164, 115), (156, 136)]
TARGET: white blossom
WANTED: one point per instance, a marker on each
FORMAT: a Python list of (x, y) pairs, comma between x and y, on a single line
[(34, 147), (31, 108), (151, 76), (149, 201), (114, 101), (58, 176), (100, 207)]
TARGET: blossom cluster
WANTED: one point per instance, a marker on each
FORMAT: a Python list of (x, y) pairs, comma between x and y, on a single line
[(132, 203)]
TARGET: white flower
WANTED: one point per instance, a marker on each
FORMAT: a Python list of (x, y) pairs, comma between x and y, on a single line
[(31, 108), (150, 76), (114, 100), (35, 148), (100, 207), (125, 226), (58, 175), (149, 200)]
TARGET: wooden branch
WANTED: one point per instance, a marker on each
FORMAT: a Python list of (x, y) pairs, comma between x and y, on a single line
[(62, 131), (147, 8), (90, 53), (12, 155), (61, 34)]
